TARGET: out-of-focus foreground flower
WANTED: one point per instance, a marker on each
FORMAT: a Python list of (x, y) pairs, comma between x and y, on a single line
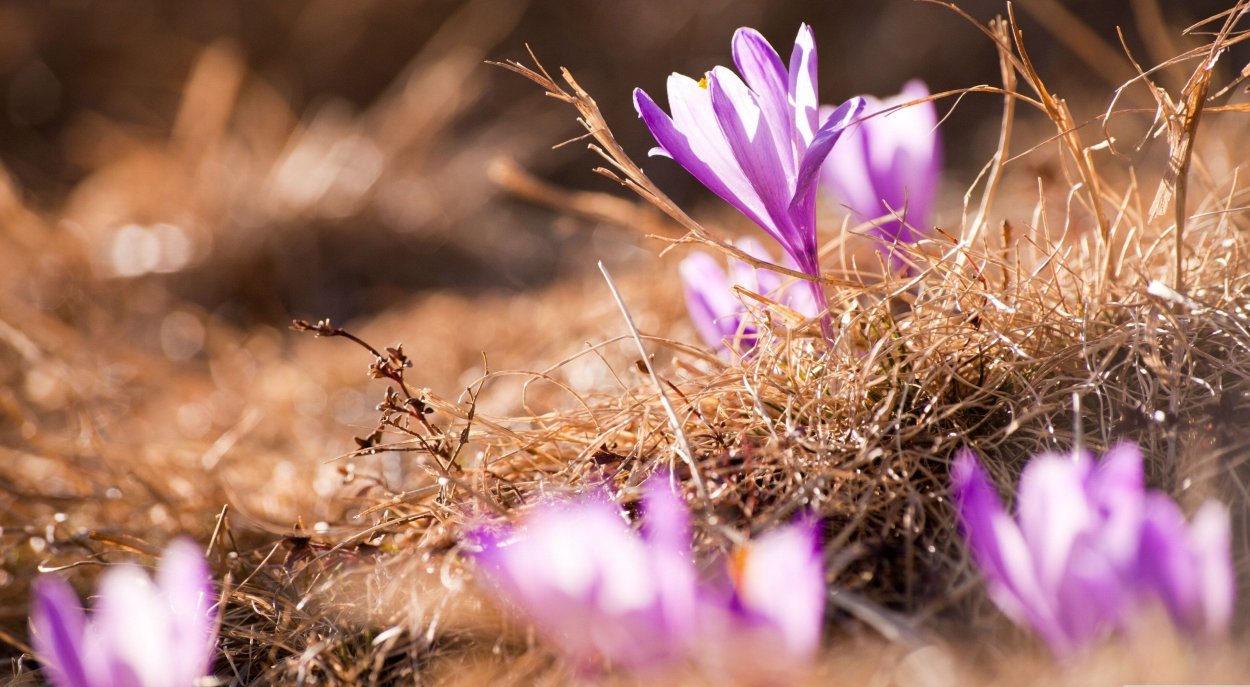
[(1090, 547), (603, 593), (756, 141), (141, 633), (888, 165), (779, 585), (718, 313), (592, 585)]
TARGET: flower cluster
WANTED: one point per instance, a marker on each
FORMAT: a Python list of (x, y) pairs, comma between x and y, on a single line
[(718, 314), (1090, 547), (762, 142), (756, 140), (603, 593), (142, 634)]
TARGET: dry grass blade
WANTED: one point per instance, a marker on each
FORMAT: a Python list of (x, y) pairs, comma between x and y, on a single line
[(683, 445), (1049, 315), (1000, 30), (1180, 118)]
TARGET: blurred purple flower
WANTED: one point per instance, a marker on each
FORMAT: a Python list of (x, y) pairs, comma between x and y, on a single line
[(598, 590), (889, 164), (142, 634), (594, 587), (1190, 567), (760, 622), (756, 140), (718, 313), (1090, 545), (779, 585)]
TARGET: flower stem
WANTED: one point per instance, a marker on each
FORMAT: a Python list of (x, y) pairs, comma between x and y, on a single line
[(826, 320)]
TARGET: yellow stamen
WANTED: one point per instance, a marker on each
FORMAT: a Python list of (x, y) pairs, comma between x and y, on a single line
[(738, 564), (703, 82)]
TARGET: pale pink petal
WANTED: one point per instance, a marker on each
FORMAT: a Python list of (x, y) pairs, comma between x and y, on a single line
[(782, 582), (136, 627), (666, 531), (714, 310), (1053, 512), (1116, 493), (186, 583), (748, 277), (1210, 541)]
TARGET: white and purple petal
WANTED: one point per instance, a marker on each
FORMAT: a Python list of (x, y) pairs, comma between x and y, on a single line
[(1189, 566), (804, 93), (764, 74), (1001, 551), (139, 634), (1116, 494), (136, 623), (698, 146), (744, 126), (822, 144), (1166, 567), (1053, 512), (587, 581), (666, 531), (888, 165)]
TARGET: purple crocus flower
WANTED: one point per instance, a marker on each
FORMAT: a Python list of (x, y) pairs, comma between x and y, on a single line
[(1190, 567), (595, 588), (888, 164), (756, 141), (718, 313), (779, 584), (1089, 546), (761, 623), (142, 634), (601, 592)]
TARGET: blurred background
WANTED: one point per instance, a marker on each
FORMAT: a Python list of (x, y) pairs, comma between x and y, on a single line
[(322, 158), (179, 179)]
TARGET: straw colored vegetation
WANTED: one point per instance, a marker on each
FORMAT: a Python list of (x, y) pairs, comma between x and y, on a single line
[(1093, 285)]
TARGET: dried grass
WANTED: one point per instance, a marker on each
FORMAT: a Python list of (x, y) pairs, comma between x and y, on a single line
[(1064, 309)]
